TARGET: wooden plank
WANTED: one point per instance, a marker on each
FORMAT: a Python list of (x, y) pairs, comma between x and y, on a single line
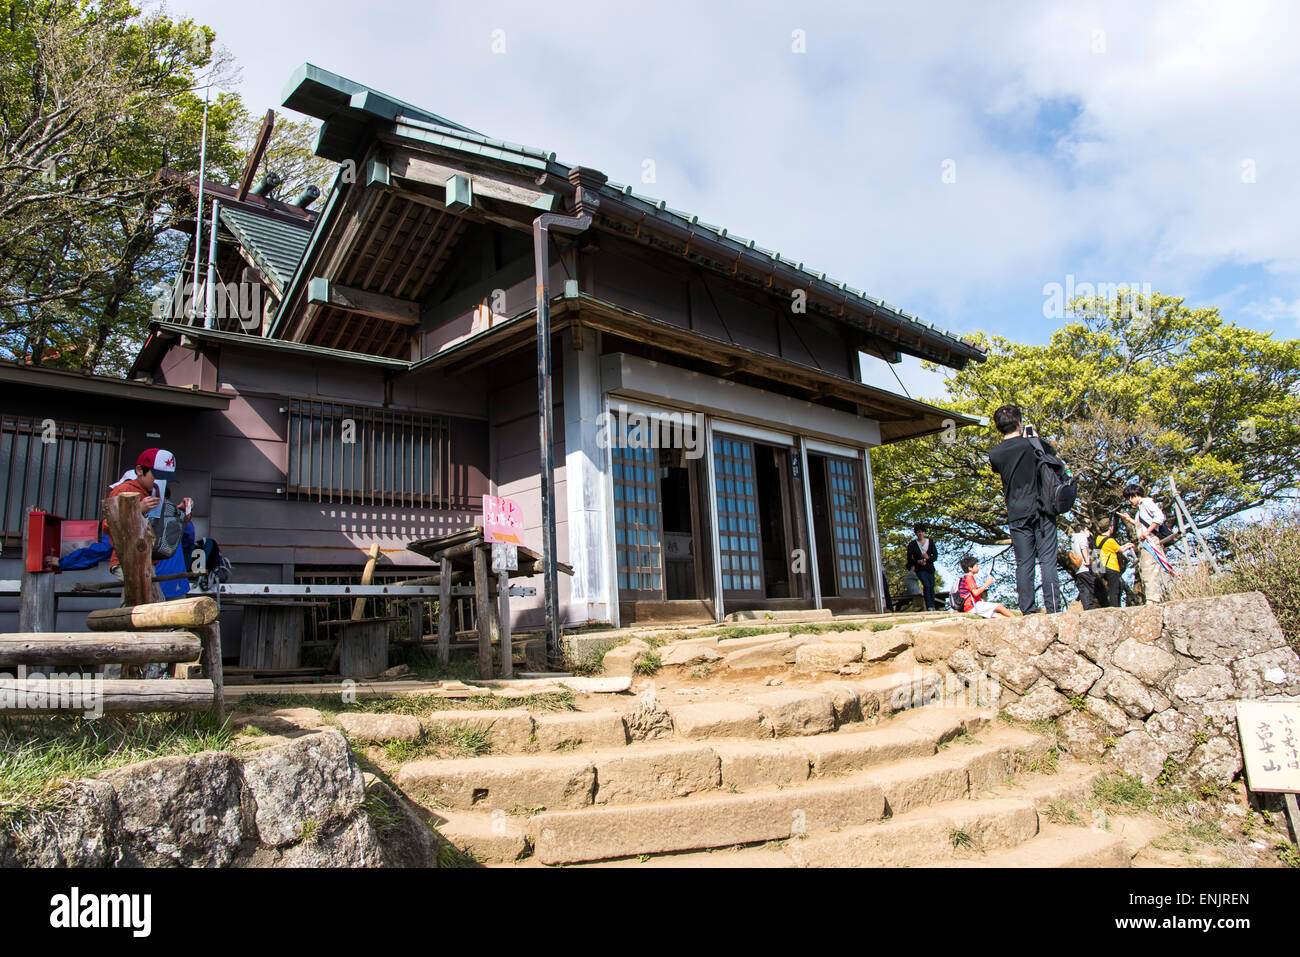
[(376, 305), (192, 612), (110, 647), (271, 637), (364, 649), (415, 168), (484, 609), (444, 612), (111, 695)]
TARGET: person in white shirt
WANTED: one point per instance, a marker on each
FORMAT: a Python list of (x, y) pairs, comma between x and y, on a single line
[(1150, 521)]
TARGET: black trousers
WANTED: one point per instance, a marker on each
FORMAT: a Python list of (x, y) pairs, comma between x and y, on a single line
[(1114, 583), (1034, 541), (1086, 582)]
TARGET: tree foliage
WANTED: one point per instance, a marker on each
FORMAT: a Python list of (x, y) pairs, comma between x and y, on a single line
[(96, 99), (1124, 395)]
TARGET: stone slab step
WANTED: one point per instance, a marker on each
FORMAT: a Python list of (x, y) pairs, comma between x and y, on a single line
[(663, 770), (796, 614), (947, 831), (705, 821), (573, 836), (1059, 846)]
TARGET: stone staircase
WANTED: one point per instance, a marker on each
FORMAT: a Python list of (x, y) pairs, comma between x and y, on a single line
[(879, 772)]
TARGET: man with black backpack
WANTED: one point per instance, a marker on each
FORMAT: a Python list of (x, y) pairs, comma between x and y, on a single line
[(1021, 460)]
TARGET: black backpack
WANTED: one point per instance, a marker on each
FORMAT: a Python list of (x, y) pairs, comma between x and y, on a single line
[(168, 529), (1057, 486)]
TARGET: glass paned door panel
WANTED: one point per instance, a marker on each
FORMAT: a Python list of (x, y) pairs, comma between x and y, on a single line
[(739, 551), (637, 522), (848, 524)]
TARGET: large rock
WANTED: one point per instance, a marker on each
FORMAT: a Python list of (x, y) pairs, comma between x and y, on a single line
[(1267, 675), (501, 783), (1217, 760), (935, 642), (844, 700), (1030, 634), (793, 712), (827, 655), (1069, 671), (79, 830), (313, 778), (1014, 669), (1143, 661), (1206, 683), (649, 719), (1080, 735), (1175, 732), (882, 645), (345, 844), (1224, 627), (684, 653), (622, 659), (370, 728), (1138, 754), (1099, 631), (657, 773), (183, 810), (1143, 624), (1042, 704), (1112, 716), (720, 719), (769, 654), (1134, 697)]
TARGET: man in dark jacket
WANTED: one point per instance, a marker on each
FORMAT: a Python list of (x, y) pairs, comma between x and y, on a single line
[(1033, 534), (921, 557)]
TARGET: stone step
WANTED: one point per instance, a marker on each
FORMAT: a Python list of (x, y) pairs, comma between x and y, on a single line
[(663, 770), (1058, 846), (943, 832), (715, 820), (793, 615)]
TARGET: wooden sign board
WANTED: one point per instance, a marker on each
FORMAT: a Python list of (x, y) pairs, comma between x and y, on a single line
[(503, 521), (1270, 744), (505, 558)]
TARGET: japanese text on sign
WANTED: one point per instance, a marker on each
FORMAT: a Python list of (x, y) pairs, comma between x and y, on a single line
[(1270, 744)]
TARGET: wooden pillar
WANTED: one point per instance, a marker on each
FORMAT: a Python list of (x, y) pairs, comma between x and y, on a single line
[(483, 606), (132, 539), (210, 664), (503, 606), (416, 610), (445, 611)]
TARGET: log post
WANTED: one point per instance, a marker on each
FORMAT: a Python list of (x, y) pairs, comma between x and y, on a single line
[(132, 539), (503, 615), (445, 611), (190, 612), (210, 665), (483, 608)]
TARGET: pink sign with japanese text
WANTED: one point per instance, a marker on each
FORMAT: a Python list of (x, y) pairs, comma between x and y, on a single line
[(503, 521)]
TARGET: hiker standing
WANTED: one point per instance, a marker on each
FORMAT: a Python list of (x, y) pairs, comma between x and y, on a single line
[(1086, 579), (922, 554), (1111, 572), (1152, 530), (1033, 532)]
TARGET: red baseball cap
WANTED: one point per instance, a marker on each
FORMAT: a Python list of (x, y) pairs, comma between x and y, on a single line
[(157, 460)]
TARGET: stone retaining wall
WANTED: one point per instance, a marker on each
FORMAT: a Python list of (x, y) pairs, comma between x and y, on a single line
[(298, 804), (1142, 685)]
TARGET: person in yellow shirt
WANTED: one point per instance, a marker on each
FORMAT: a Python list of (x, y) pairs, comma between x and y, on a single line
[(1110, 551)]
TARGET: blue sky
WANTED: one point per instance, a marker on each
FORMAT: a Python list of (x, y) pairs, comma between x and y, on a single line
[(1087, 139)]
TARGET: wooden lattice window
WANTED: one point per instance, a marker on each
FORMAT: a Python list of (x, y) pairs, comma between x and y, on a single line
[(60, 467), (847, 522), (739, 549), (355, 455), (637, 520)]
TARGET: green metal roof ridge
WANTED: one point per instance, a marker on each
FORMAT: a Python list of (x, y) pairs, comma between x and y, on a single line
[(256, 245)]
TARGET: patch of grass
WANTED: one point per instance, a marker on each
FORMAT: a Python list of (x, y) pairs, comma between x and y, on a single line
[(1122, 790), (1288, 855), (647, 663), (38, 757), (1079, 702), (960, 839), (440, 741), (310, 832), (1167, 773), (1063, 812), (1206, 832), (383, 814), (449, 855), (413, 704), (593, 661), (1047, 763), (701, 671)]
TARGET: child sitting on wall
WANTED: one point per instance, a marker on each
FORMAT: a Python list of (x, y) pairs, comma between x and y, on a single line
[(971, 593)]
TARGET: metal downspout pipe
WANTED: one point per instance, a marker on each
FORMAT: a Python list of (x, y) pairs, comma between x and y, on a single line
[(586, 201)]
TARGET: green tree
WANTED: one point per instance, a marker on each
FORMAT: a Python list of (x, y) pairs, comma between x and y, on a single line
[(96, 101), (1124, 395)]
